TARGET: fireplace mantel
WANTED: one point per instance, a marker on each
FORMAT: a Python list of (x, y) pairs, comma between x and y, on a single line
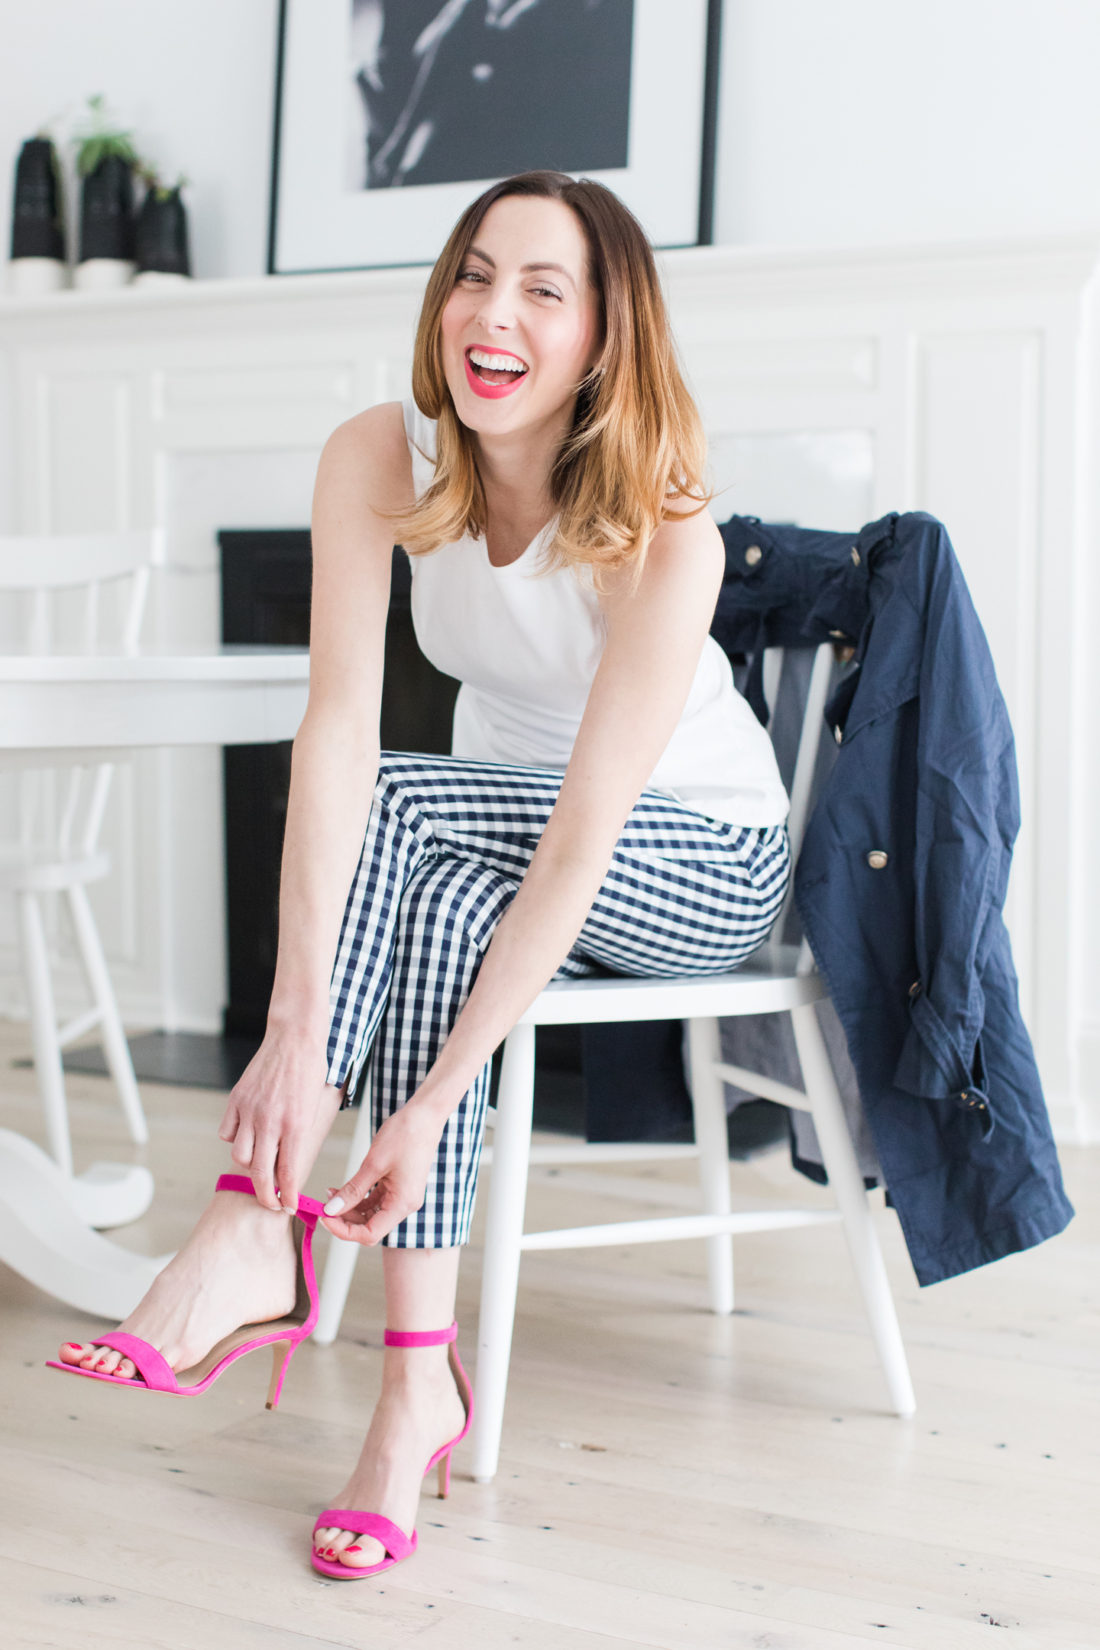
[(835, 385)]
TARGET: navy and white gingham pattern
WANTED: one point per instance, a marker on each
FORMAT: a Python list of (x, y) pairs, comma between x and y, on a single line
[(446, 847)]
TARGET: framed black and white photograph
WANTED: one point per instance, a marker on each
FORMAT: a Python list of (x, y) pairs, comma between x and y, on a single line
[(392, 115)]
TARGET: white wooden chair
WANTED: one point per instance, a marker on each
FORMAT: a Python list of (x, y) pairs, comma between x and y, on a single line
[(778, 979), (73, 594)]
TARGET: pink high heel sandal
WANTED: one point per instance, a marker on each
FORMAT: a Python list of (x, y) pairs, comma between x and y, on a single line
[(398, 1545), (283, 1335)]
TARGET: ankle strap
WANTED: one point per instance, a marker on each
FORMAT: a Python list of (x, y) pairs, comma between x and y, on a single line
[(235, 1183), (420, 1337)]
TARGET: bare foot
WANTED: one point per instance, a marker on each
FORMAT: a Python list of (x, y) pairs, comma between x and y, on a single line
[(238, 1266), (418, 1411)]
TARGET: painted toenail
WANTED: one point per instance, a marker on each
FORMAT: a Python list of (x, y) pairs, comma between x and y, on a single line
[(353, 1549)]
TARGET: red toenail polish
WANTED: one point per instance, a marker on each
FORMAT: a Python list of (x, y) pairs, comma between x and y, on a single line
[(353, 1549)]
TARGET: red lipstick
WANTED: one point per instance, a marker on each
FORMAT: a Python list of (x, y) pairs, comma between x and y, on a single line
[(490, 392)]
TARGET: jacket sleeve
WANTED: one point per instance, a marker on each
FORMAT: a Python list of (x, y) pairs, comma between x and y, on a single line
[(967, 818)]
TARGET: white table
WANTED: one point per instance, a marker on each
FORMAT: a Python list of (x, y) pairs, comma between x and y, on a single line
[(90, 709)]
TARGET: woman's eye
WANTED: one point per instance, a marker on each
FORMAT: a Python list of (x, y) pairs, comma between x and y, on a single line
[(546, 292), (471, 275)]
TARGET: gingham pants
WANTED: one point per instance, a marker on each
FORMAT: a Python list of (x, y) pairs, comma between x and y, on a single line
[(447, 844)]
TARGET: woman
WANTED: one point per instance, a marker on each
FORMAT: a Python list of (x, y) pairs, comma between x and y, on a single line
[(546, 480)]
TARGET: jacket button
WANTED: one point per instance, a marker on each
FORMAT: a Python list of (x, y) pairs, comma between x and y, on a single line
[(878, 859), (855, 555), (753, 554)]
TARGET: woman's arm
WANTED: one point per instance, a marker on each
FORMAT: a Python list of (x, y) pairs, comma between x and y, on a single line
[(364, 468), (655, 637)]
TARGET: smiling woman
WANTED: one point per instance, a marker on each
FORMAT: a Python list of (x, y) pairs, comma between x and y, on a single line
[(586, 318), (611, 804)]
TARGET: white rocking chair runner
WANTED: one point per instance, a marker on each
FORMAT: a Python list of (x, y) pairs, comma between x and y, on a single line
[(778, 979), (80, 593)]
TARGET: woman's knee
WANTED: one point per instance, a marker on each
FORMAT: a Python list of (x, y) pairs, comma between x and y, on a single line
[(462, 897)]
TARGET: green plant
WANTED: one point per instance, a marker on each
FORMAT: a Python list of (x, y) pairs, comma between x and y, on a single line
[(151, 178), (99, 140)]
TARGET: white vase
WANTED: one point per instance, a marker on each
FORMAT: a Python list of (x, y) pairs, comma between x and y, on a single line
[(29, 276), (99, 274), (161, 277)]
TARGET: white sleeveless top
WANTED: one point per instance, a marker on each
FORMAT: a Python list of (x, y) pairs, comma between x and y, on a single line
[(526, 648)]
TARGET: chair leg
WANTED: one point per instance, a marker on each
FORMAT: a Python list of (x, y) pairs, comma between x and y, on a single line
[(708, 1104), (115, 1046), (842, 1167), (47, 1050), (503, 1237), (341, 1258)]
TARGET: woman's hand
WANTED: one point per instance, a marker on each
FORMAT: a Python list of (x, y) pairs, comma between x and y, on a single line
[(392, 1179), (272, 1116)]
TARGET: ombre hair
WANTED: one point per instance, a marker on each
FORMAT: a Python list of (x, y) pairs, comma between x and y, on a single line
[(636, 443)]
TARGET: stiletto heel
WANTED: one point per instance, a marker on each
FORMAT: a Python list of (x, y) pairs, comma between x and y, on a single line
[(283, 1351), (398, 1545), (284, 1335)]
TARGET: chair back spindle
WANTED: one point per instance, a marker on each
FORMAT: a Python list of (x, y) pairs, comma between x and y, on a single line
[(811, 733)]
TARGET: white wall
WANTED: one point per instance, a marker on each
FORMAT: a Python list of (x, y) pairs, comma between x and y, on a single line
[(843, 122), (847, 122)]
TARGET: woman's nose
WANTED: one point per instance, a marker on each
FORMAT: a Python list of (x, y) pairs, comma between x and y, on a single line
[(498, 310)]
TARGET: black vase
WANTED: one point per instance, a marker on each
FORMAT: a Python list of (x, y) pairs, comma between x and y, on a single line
[(107, 211), (36, 226), (161, 240)]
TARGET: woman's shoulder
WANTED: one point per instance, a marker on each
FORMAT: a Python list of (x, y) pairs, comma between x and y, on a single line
[(381, 427), (398, 432), (372, 447)]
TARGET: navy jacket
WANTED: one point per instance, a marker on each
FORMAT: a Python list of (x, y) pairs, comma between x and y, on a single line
[(902, 876)]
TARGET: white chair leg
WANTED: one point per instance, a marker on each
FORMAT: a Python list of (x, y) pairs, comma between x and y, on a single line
[(47, 1050), (503, 1237), (842, 1167), (708, 1102), (341, 1258), (115, 1046)]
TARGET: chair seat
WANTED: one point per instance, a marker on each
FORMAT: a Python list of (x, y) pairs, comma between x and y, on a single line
[(766, 984), (38, 870)]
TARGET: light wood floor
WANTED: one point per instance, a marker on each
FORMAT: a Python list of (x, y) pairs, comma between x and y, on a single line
[(668, 1478)]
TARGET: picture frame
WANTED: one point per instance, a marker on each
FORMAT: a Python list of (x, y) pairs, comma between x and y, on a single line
[(381, 106)]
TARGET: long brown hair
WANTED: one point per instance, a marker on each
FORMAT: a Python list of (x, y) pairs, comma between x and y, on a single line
[(637, 440)]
